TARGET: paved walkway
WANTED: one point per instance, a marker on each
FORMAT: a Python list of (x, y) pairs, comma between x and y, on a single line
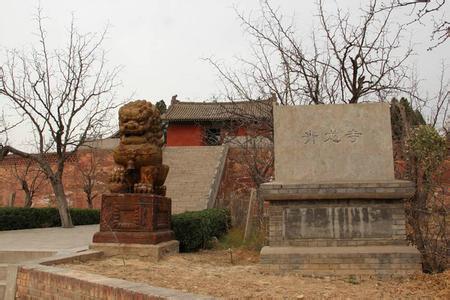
[(77, 238)]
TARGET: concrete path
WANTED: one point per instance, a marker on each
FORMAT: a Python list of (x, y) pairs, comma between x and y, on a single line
[(48, 239)]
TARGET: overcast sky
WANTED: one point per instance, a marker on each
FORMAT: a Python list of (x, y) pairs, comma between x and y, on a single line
[(160, 44)]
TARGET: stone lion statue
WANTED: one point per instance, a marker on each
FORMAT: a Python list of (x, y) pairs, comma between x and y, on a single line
[(139, 152)]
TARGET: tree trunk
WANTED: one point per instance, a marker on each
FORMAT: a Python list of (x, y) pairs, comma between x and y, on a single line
[(12, 199), (28, 200), (63, 207), (28, 197), (89, 201)]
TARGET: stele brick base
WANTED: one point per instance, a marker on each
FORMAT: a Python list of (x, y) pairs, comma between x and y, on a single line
[(134, 219), (339, 229)]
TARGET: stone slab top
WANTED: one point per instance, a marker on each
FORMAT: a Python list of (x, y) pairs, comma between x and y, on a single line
[(268, 250), (391, 189), (333, 142)]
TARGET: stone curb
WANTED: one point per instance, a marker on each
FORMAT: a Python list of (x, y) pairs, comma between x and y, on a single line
[(44, 267)]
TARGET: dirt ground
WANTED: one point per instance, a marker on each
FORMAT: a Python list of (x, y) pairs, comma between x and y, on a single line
[(212, 273)]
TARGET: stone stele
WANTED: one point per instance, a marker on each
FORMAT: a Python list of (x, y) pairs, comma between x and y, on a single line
[(335, 208), (333, 143)]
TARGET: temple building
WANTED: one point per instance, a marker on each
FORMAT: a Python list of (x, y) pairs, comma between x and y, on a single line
[(212, 123)]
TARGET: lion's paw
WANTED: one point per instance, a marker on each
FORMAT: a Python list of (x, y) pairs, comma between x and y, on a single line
[(143, 188), (117, 176)]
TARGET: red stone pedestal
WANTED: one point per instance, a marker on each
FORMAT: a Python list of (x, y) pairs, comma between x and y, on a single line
[(134, 219)]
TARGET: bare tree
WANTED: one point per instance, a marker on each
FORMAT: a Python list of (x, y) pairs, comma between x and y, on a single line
[(248, 132), (433, 105), (30, 179), (439, 112), (358, 60), (367, 58), (255, 120), (89, 174), (5, 127), (347, 62), (65, 95), (418, 10)]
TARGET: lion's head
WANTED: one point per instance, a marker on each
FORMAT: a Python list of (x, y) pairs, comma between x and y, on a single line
[(140, 119)]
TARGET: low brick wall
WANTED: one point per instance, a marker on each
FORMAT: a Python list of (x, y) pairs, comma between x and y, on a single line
[(47, 282), (39, 281)]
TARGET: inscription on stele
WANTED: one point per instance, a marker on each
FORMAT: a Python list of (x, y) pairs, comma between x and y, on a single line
[(333, 143)]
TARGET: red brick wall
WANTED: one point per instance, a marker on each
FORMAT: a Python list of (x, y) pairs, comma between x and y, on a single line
[(184, 135), (72, 180), (193, 134), (241, 131), (234, 190)]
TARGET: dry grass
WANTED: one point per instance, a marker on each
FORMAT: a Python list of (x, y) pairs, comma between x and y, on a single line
[(211, 272)]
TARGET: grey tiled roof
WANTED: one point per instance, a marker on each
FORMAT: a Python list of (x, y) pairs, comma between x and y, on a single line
[(218, 111)]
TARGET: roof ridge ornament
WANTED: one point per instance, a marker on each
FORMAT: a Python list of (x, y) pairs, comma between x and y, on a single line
[(174, 100)]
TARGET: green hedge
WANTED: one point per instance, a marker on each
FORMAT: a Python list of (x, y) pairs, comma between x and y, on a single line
[(195, 229), (25, 218), (83, 216)]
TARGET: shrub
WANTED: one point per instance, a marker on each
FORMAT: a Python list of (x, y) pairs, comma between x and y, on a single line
[(428, 149), (195, 229), (235, 239), (25, 218), (85, 216), (427, 212), (403, 116)]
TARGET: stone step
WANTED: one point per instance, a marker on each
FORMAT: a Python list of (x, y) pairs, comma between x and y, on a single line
[(3, 271), (192, 175), (380, 261)]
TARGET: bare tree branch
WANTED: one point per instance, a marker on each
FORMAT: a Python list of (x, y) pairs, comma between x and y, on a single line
[(418, 10), (30, 179), (360, 61), (89, 173), (66, 95)]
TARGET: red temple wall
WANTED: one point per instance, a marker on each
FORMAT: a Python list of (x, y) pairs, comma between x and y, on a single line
[(184, 135)]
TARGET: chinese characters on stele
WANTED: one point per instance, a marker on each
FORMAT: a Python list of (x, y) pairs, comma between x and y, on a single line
[(331, 136)]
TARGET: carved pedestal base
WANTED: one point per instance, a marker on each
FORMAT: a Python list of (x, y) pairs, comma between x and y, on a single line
[(145, 252), (339, 229), (134, 219)]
